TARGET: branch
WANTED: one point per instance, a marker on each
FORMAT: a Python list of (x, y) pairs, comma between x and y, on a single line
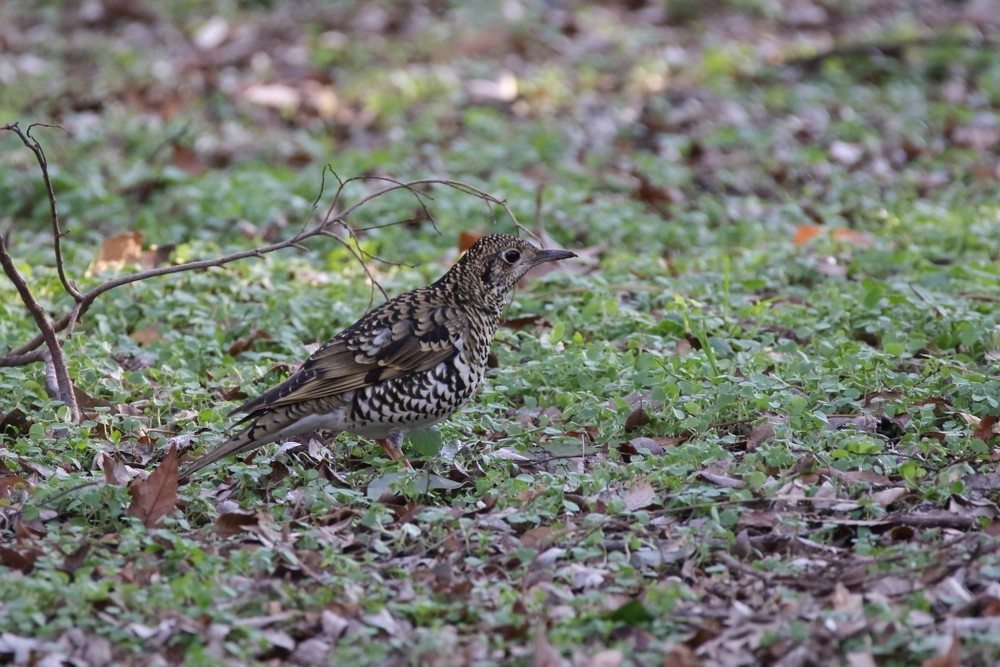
[(57, 233), (320, 228), (54, 350)]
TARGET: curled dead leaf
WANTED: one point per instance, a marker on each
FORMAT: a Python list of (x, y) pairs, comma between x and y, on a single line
[(155, 497)]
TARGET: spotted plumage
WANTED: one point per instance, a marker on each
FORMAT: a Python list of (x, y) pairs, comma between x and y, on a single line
[(406, 365)]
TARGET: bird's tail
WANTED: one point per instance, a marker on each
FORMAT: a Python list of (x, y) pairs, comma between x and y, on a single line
[(238, 443)]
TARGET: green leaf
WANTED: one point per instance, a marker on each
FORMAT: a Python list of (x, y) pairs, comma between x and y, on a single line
[(632, 613), (426, 443)]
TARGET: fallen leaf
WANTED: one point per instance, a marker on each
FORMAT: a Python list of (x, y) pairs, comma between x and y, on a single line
[(155, 497), (611, 657), (15, 422), (187, 160), (243, 344), (115, 473), (805, 233), (860, 659), (74, 561), (953, 658), (333, 624), (541, 537), (987, 429), (679, 655), (383, 620), (845, 153), (852, 237), (764, 431), (116, 251), (886, 497), (126, 250), (546, 655), (233, 523), (639, 417), (862, 477), (272, 95), (11, 485), (503, 89), (19, 560), (642, 445), (721, 480), (639, 495), (146, 336), (509, 454)]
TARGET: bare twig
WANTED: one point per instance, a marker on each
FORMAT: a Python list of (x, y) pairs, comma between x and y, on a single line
[(13, 360), (17, 356), (57, 233), (64, 385)]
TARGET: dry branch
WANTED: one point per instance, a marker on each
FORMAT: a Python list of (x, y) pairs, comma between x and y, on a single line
[(53, 347), (57, 232), (327, 225)]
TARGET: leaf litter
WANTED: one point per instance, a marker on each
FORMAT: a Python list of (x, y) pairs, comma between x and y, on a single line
[(709, 565)]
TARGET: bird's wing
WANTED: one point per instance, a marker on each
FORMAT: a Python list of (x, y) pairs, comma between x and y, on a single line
[(385, 344)]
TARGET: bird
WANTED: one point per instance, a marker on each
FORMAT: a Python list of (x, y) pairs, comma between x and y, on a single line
[(405, 366)]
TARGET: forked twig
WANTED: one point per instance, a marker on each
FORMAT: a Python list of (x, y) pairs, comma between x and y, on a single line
[(57, 232)]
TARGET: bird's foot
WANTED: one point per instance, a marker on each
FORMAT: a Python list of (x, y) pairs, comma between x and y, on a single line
[(393, 451)]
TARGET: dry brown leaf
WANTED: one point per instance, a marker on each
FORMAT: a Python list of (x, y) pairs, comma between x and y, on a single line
[(863, 477), (639, 495), (860, 659), (125, 250), (680, 655), (611, 657), (155, 497), (119, 250), (638, 418), (19, 560), (245, 343), (763, 431), (233, 523), (953, 658), (545, 655), (886, 497), (804, 233), (852, 237), (12, 485), (721, 480), (651, 446), (15, 421), (540, 537), (74, 561), (187, 160), (987, 429), (146, 336), (758, 519), (115, 473)]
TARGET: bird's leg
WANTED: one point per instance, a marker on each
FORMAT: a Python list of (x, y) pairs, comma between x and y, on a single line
[(392, 446)]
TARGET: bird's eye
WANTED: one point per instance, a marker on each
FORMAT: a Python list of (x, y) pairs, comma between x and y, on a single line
[(511, 256)]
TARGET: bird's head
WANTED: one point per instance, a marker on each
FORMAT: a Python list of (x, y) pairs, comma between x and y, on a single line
[(492, 266)]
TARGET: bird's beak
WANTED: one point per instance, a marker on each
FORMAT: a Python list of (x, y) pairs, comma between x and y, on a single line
[(543, 256)]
